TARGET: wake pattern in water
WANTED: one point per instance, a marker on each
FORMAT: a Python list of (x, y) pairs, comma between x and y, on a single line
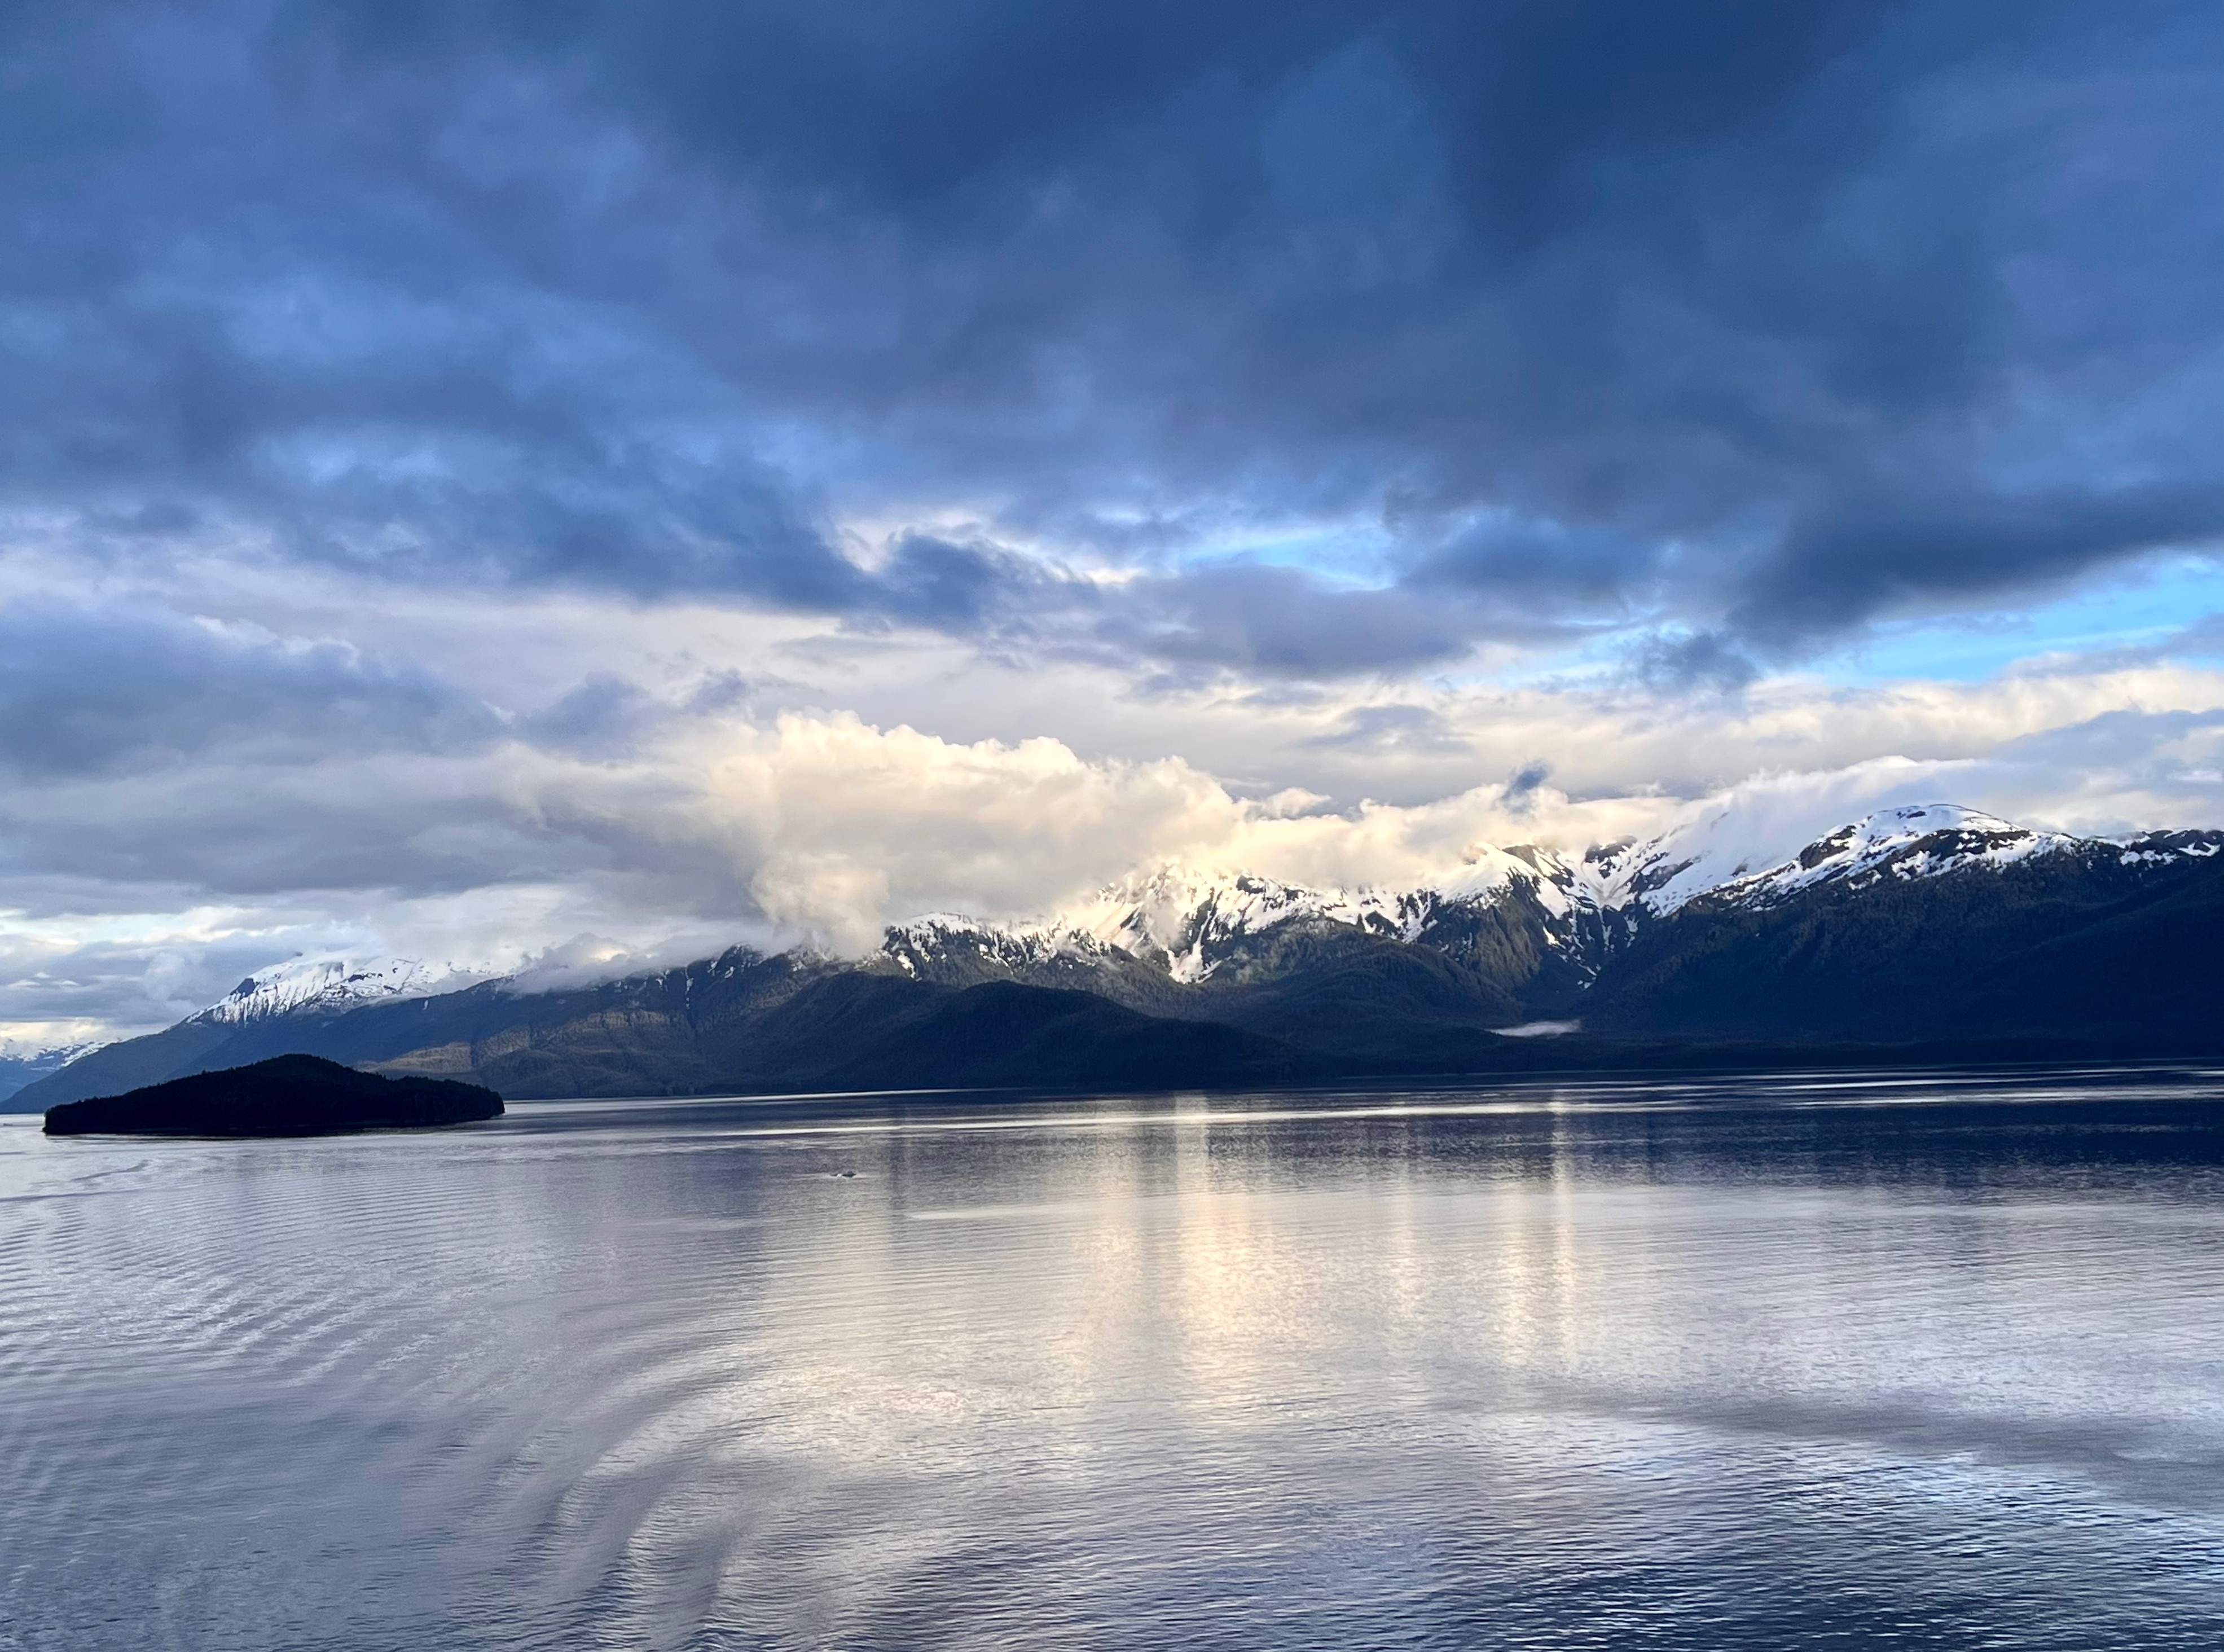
[(1814, 1363)]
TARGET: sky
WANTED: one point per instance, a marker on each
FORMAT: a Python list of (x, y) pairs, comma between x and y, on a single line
[(572, 484)]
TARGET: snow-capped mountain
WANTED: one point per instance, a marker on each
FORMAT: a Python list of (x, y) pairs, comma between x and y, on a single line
[(1524, 912), (1925, 841), (1534, 925), (1144, 939), (24, 1064), (938, 935), (1701, 860), (331, 986), (1192, 921), (1191, 924), (1930, 927), (1187, 921)]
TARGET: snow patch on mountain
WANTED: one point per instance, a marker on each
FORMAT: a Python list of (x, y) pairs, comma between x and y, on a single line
[(1192, 919), (1182, 918), (1558, 884), (333, 985), (1189, 917), (1922, 841), (1714, 856), (940, 935), (2150, 847)]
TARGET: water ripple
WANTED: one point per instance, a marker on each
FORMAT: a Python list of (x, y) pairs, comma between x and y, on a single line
[(1807, 1363)]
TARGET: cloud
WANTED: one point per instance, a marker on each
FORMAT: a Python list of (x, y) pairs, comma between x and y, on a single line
[(340, 805), (1522, 791), (605, 716), (92, 692), (1865, 557), (654, 298), (492, 473), (1695, 659), (1280, 622), (2204, 636), (1382, 728)]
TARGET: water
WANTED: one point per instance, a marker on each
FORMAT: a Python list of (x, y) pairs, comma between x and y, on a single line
[(1797, 1363)]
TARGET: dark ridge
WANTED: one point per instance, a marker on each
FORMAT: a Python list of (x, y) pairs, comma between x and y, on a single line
[(287, 1095), (1002, 1033)]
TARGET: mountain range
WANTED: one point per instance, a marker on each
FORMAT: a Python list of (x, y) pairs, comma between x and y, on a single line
[(21, 1065), (1934, 932)]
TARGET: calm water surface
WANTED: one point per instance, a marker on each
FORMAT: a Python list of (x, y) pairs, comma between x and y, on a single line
[(1890, 1361)]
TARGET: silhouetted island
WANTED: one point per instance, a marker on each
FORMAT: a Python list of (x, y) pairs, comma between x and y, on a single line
[(287, 1095)]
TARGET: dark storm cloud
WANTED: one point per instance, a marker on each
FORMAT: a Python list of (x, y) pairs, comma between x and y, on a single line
[(966, 587), (1539, 561), (608, 717), (1677, 663), (1392, 728), (1241, 616), (1520, 799), (87, 692), (1279, 621), (1871, 554), (1762, 319)]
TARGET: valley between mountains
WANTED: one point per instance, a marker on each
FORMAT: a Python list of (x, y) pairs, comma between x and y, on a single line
[(1931, 932)]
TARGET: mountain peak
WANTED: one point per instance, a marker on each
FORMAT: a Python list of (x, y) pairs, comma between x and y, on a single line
[(1184, 914), (1914, 840), (331, 983), (23, 1064)]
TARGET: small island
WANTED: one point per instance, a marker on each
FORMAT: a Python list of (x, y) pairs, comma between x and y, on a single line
[(287, 1095)]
